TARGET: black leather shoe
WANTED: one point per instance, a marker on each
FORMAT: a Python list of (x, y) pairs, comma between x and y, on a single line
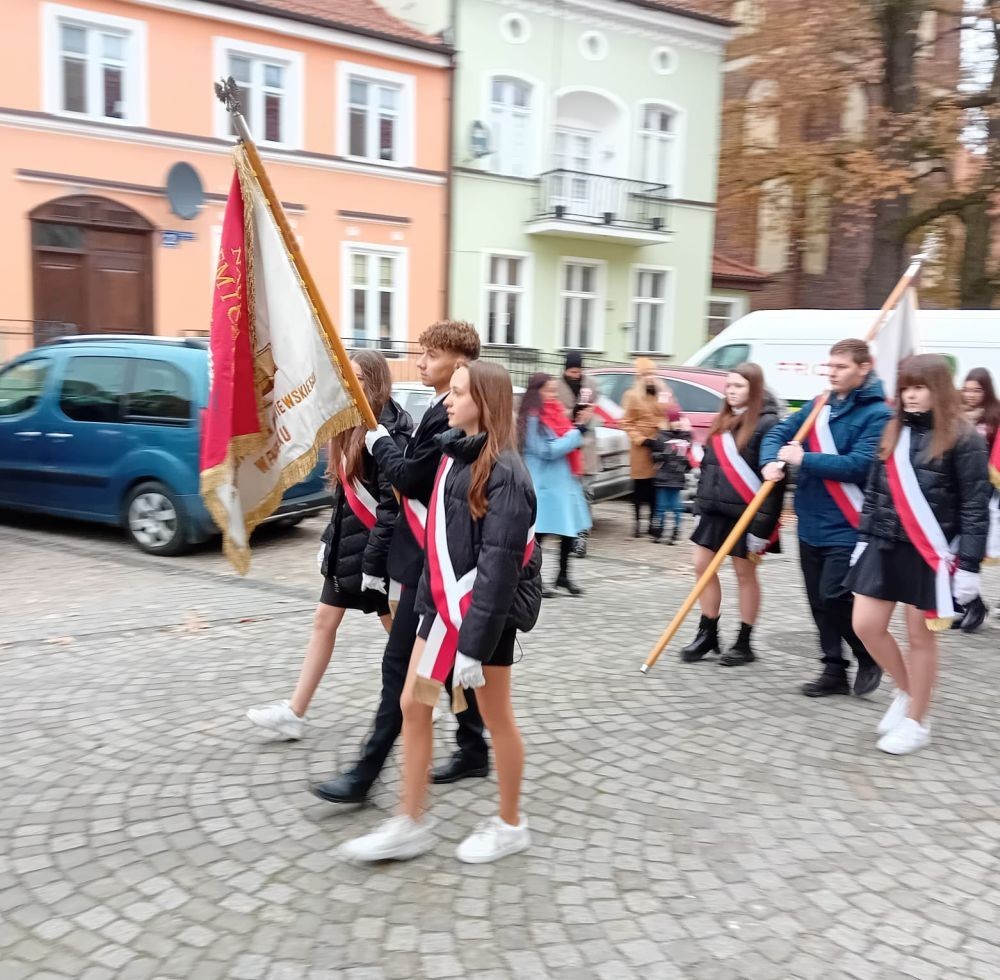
[(867, 679), (548, 592), (346, 788), (564, 582), (456, 768), (706, 641), (826, 685), (975, 613)]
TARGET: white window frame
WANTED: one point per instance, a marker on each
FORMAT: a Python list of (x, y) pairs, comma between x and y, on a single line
[(401, 287), (665, 303), (406, 121), (679, 140), (600, 302), (535, 108), (293, 105), (136, 111), (525, 290), (739, 304)]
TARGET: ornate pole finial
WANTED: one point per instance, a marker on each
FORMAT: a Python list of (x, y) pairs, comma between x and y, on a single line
[(228, 93)]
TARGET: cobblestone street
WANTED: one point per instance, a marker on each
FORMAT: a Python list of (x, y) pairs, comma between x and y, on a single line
[(696, 822)]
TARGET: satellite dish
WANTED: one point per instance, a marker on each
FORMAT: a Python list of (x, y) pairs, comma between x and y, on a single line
[(184, 191)]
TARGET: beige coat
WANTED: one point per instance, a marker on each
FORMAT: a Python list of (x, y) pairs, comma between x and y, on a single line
[(642, 420)]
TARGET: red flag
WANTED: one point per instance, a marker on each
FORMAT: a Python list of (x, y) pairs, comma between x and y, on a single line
[(232, 407), (995, 462)]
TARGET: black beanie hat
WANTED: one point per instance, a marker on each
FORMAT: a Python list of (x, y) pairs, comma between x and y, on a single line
[(574, 359)]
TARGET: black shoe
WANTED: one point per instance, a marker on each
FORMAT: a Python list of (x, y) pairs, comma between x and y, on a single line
[(675, 537), (827, 684), (867, 679), (637, 531), (706, 641), (563, 582), (346, 788), (580, 547), (656, 531), (975, 613), (740, 652), (456, 768), (548, 592), (956, 623)]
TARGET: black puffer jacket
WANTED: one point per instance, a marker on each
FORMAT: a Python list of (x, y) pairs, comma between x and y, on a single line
[(717, 497), (351, 549), (507, 592), (957, 487), (671, 460)]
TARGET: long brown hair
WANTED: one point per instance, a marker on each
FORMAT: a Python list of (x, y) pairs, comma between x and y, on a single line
[(348, 446), (933, 372), (744, 425), (990, 406), (491, 389)]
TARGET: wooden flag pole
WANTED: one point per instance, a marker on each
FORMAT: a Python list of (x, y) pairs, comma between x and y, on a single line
[(748, 515), (228, 94)]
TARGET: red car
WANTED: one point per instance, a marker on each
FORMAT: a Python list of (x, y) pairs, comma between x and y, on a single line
[(699, 392)]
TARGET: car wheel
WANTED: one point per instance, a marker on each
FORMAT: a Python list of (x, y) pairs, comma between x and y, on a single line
[(155, 521)]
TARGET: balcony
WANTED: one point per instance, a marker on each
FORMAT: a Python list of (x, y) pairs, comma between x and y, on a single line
[(572, 204)]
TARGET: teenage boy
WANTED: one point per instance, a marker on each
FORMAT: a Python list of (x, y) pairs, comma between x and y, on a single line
[(412, 471)]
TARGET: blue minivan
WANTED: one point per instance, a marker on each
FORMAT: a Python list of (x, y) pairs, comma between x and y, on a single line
[(106, 429)]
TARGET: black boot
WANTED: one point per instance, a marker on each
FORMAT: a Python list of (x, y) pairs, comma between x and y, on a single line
[(656, 530), (637, 532), (706, 641), (563, 582), (676, 535), (975, 613), (740, 652), (829, 683)]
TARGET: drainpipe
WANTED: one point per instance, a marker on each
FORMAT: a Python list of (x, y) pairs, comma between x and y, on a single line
[(449, 177)]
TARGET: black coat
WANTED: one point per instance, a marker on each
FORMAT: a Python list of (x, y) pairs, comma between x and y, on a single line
[(351, 549), (507, 594), (717, 497), (957, 487), (672, 466), (412, 471)]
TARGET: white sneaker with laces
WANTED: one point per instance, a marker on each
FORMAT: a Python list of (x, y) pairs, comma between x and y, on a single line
[(493, 839), (278, 717), (908, 736), (896, 713), (398, 839)]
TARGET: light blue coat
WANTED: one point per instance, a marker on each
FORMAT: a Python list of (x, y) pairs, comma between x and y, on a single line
[(562, 508)]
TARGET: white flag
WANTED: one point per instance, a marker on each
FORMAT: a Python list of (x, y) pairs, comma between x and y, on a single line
[(277, 389), (896, 341)]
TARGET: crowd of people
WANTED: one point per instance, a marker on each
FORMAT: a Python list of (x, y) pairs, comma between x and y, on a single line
[(437, 529)]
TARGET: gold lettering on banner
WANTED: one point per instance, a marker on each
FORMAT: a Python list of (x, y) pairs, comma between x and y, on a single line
[(229, 275), (296, 396)]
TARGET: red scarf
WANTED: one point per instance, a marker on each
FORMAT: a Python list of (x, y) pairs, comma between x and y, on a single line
[(553, 416)]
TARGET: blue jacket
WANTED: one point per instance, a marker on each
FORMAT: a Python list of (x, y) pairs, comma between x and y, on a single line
[(562, 508), (856, 424)]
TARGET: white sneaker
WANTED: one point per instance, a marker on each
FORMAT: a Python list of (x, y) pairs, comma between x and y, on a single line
[(278, 717), (398, 839), (896, 713), (492, 840), (908, 736)]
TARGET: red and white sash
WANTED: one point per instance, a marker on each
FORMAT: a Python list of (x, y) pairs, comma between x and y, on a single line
[(740, 475), (849, 497), (363, 505), (923, 529), (452, 597), (416, 517)]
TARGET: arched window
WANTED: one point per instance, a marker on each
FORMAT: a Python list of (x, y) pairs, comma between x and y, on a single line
[(774, 212), (817, 231), (761, 125), (854, 116), (511, 104), (659, 145)]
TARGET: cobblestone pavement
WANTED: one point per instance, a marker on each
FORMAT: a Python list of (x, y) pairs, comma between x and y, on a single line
[(696, 822)]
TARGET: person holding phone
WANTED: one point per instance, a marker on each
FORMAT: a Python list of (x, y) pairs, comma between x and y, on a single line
[(577, 393)]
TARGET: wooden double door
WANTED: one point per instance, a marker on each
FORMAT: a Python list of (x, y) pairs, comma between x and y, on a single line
[(92, 265)]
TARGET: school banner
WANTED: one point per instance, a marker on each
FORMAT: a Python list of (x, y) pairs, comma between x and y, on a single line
[(897, 340), (276, 388)]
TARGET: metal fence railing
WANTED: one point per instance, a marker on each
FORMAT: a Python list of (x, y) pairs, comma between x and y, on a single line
[(521, 362), (18, 336), (617, 201)]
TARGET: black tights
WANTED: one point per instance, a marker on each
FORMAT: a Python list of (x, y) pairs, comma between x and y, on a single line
[(642, 493), (565, 550)]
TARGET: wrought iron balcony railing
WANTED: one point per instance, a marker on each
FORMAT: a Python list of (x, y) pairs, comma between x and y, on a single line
[(570, 195)]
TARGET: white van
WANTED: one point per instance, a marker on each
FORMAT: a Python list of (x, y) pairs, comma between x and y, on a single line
[(792, 346)]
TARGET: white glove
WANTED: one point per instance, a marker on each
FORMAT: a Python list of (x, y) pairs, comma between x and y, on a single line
[(320, 555), (372, 583), (467, 672), (755, 545), (859, 550), (965, 586), (373, 435)]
